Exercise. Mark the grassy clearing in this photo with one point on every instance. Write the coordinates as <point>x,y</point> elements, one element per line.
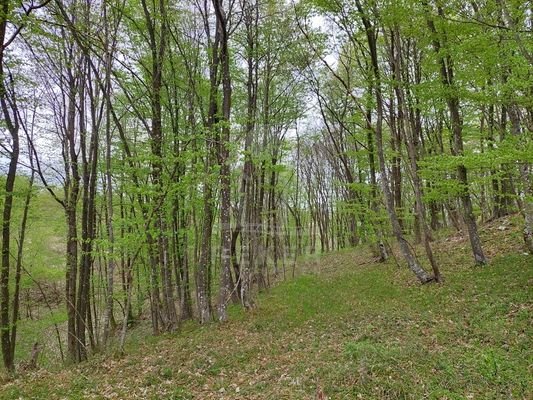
<point>354,328</point>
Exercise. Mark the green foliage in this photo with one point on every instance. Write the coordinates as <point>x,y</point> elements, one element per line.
<point>357,330</point>
<point>320,79</point>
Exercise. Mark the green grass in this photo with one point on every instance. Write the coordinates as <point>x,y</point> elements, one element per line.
<point>43,262</point>
<point>357,331</point>
<point>44,253</point>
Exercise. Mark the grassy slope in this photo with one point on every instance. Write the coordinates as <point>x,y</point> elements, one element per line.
<point>44,259</point>
<point>354,328</point>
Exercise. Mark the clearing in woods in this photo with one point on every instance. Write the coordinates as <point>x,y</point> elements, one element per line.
<point>345,328</point>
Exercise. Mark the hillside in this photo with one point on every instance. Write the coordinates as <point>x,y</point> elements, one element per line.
<point>261,199</point>
<point>345,327</point>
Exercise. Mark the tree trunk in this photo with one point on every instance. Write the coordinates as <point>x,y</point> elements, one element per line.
<point>389,201</point>
<point>452,101</point>
<point>526,199</point>
<point>224,161</point>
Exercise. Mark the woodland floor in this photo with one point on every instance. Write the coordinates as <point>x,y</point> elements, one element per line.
<point>345,325</point>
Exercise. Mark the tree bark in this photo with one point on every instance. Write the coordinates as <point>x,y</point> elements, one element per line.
<point>224,161</point>
<point>452,101</point>
<point>412,262</point>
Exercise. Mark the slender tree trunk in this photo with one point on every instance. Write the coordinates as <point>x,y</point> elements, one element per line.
<point>204,265</point>
<point>412,262</point>
<point>526,200</point>
<point>18,267</point>
<point>224,161</point>
<point>10,118</point>
<point>108,314</point>
<point>72,188</point>
<point>409,137</point>
<point>447,77</point>
<point>246,202</point>
<point>6,232</point>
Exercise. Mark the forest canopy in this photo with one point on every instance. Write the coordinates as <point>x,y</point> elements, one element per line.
<point>163,160</point>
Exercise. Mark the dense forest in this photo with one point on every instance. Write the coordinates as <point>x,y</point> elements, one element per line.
<point>181,157</point>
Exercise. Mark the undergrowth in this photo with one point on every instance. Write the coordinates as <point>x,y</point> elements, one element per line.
<point>355,328</point>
